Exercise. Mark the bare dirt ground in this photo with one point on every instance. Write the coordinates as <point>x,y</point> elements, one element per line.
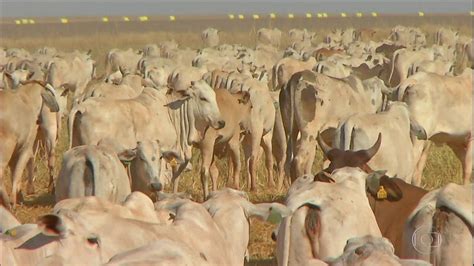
<point>87,33</point>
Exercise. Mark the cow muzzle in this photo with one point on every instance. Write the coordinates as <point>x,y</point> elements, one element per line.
<point>220,124</point>
<point>156,186</point>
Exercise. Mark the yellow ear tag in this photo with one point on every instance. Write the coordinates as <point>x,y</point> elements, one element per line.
<point>11,232</point>
<point>173,162</point>
<point>381,193</point>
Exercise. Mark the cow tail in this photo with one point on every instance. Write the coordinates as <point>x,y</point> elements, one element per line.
<point>289,149</point>
<point>274,76</point>
<point>108,63</point>
<point>394,58</point>
<point>92,163</point>
<point>348,135</point>
<point>76,112</point>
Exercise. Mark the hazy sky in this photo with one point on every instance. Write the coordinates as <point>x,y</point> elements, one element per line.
<point>37,8</point>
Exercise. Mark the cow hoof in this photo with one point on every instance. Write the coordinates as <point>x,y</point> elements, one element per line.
<point>30,190</point>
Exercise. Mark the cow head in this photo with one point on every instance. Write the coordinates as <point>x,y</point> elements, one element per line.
<point>70,238</point>
<point>145,163</point>
<point>340,158</point>
<point>205,109</point>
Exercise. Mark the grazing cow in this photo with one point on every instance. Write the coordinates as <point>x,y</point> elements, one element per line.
<point>210,37</point>
<point>125,59</point>
<point>370,250</point>
<point>176,119</point>
<point>324,217</point>
<point>391,210</point>
<point>19,114</point>
<point>269,37</point>
<point>427,96</point>
<point>309,104</point>
<point>442,225</point>
<point>396,152</point>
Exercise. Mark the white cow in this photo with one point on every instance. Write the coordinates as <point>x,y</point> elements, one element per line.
<point>325,216</point>
<point>442,225</point>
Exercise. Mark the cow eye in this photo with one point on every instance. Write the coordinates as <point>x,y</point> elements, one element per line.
<point>203,99</point>
<point>93,240</point>
<point>153,158</point>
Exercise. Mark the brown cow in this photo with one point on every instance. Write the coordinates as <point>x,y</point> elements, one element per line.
<point>392,210</point>
<point>324,53</point>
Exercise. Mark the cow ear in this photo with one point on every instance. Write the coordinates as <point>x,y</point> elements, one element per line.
<point>323,177</point>
<point>30,75</point>
<point>51,225</point>
<point>393,190</point>
<point>8,81</point>
<point>49,98</point>
<point>245,97</point>
<point>128,155</point>
<point>373,182</point>
<point>270,212</point>
<point>172,158</point>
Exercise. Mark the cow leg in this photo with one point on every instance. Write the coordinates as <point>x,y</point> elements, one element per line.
<point>30,188</point>
<point>177,174</point>
<point>463,152</point>
<point>50,139</point>
<point>255,140</point>
<point>418,173</point>
<point>234,149</point>
<point>267,147</point>
<point>304,157</point>
<point>20,165</point>
<point>207,152</point>
<point>214,174</point>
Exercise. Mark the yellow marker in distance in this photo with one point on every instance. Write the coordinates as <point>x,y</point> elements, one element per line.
<point>231,16</point>
<point>172,18</point>
<point>343,15</point>
<point>18,22</point>
<point>126,19</point>
<point>309,15</point>
<point>31,21</point>
<point>325,15</point>
<point>64,20</point>
<point>421,14</point>
<point>255,16</point>
<point>105,19</point>
<point>320,15</point>
<point>24,21</point>
<point>241,16</point>
<point>472,13</point>
<point>359,14</point>
<point>374,14</point>
<point>273,15</point>
<point>290,16</point>
<point>143,18</point>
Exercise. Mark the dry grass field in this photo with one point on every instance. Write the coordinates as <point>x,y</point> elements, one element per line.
<point>442,167</point>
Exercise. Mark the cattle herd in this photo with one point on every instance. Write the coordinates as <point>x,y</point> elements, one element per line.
<point>374,108</point>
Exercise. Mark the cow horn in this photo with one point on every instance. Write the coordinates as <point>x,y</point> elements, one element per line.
<point>373,150</point>
<point>326,148</point>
